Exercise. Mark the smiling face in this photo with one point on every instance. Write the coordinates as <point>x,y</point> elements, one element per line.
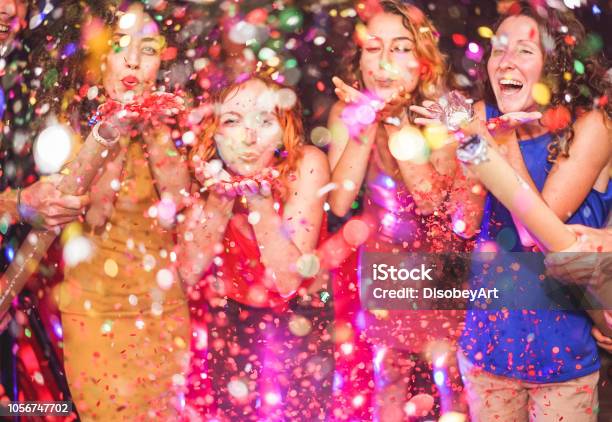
<point>135,56</point>
<point>516,63</point>
<point>249,130</point>
<point>388,58</point>
<point>12,19</point>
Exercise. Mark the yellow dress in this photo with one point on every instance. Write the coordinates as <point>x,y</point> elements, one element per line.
<point>125,317</point>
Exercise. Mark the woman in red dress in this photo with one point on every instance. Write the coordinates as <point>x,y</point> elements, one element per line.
<point>247,247</point>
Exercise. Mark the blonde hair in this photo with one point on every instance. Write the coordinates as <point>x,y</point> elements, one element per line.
<point>432,62</point>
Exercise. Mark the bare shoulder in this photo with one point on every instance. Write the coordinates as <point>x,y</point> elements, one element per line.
<point>313,159</point>
<point>595,119</point>
<point>593,128</point>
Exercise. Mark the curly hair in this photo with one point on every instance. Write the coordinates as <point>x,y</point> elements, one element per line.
<point>288,118</point>
<point>433,67</point>
<point>72,50</point>
<point>564,43</point>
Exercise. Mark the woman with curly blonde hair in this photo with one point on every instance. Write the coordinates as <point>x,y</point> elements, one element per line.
<point>396,63</point>
<point>246,247</point>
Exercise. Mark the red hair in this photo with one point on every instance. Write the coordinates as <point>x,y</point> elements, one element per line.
<point>289,119</point>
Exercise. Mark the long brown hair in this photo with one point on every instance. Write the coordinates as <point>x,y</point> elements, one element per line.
<point>432,62</point>
<point>564,43</point>
<point>288,118</point>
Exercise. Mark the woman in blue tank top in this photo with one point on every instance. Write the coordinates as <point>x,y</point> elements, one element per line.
<point>530,358</point>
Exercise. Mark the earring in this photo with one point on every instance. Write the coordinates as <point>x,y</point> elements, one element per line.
<point>280,152</point>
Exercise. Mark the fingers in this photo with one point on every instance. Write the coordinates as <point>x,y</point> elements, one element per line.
<point>423,111</point>
<point>602,341</point>
<point>345,92</point>
<point>66,203</point>
<point>426,122</point>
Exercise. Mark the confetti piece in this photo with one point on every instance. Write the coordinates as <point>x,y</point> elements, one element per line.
<point>165,279</point>
<point>299,326</point>
<point>408,144</point>
<point>320,136</point>
<point>540,93</point>
<point>111,268</point>
<point>78,249</point>
<point>485,32</point>
<point>52,149</point>
<point>579,67</point>
<point>420,405</point>
<point>308,265</point>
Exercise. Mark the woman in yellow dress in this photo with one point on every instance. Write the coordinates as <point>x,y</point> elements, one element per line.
<point>125,317</point>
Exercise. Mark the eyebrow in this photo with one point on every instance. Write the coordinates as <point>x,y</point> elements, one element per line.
<point>235,113</point>
<point>144,39</point>
<point>374,37</point>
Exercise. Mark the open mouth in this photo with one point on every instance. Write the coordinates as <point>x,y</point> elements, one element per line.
<point>4,30</point>
<point>510,86</point>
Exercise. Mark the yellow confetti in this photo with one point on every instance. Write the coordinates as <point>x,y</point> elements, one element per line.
<point>408,144</point>
<point>179,342</point>
<point>567,76</point>
<point>111,268</point>
<point>485,32</point>
<point>540,93</point>
<point>436,136</point>
<point>125,41</point>
<point>71,230</point>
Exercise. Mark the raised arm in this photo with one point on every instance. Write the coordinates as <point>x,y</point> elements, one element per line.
<point>199,234</point>
<point>169,166</point>
<point>427,187</point>
<point>348,158</point>
<point>282,240</point>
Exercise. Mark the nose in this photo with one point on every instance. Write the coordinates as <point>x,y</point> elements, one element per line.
<point>386,59</point>
<point>250,137</point>
<point>132,57</point>
<point>8,7</point>
<point>507,61</point>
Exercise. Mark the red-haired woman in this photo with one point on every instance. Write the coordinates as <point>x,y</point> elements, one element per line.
<point>252,233</point>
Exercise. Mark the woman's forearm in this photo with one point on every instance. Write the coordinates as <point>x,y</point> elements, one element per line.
<point>168,166</point>
<point>427,187</point>
<point>8,204</point>
<point>349,173</point>
<point>278,252</point>
<point>202,229</point>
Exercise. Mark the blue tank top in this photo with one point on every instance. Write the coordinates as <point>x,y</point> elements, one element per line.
<point>535,344</point>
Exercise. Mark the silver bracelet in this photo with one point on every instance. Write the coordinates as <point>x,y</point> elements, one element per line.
<point>473,150</point>
<point>108,143</point>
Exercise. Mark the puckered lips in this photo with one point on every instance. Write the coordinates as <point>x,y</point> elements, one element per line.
<point>130,82</point>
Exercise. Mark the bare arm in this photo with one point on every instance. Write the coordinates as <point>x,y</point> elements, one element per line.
<point>348,159</point>
<point>199,234</point>
<point>571,179</point>
<point>282,240</point>
<point>467,195</point>
<point>8,204</point>
<point>168,166</point>
<point>427,187</point>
